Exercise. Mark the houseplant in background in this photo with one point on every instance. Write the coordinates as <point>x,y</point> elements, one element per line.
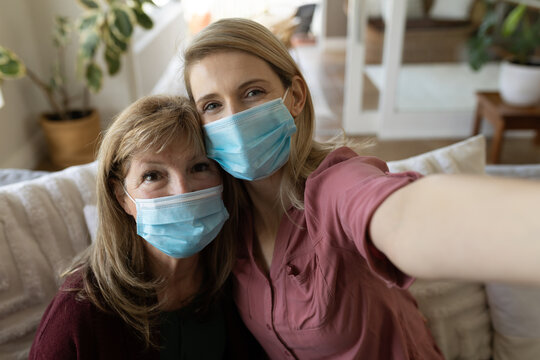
<point>512,33</point>
<point>72,126</point>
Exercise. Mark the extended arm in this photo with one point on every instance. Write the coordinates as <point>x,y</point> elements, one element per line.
<point>462,227</point>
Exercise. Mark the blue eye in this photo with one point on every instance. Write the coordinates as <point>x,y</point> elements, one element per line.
<point>254,92</point>
<point>210,106</point>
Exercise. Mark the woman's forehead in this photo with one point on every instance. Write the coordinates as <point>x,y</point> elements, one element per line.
<point>228,69</point>
<point>178,142</point>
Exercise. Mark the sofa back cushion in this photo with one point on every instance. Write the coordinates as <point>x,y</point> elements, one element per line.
<point>457,312</point>
<point>515,309</point>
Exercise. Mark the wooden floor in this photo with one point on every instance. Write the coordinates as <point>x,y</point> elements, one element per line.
<point>328,67</point>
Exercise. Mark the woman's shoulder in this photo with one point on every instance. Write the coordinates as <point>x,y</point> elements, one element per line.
<point>74,327</point>
<point>64,319</point>
<point>68,307</point>
<point>343,160</point>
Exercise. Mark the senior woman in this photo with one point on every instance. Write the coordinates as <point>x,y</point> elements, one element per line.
<point>151,285</point>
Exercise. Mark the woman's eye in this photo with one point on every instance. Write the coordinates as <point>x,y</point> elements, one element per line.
<point>200,167</point>
<point>150,176</point>
<point>210,107</point>
<point>254,92</point>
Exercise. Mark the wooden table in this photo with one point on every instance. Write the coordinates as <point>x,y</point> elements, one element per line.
<point>504,117</point>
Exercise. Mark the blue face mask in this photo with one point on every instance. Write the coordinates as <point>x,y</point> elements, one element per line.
<point>254,143</point>
<point>181,225</point>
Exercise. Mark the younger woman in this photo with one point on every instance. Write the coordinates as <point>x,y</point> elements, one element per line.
<point>330,239</point>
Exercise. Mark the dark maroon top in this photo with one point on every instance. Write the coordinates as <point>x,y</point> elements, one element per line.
<point>75,329</point>
<point>330,293</point>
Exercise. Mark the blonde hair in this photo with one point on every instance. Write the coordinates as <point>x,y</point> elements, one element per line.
<point>237,34</point>
<point>116,276</point>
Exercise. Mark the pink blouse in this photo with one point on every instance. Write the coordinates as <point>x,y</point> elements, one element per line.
<point>330,293</point>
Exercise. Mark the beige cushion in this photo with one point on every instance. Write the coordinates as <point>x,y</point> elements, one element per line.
<point>457,312</point>
<point>515,309</point>
<point>515,314</point>
<point>507,347</point>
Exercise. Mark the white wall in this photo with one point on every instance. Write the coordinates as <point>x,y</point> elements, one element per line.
<point>20,137</point>
<point>25,28</point>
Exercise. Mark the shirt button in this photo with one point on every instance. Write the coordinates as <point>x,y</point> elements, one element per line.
<point>268,327</point>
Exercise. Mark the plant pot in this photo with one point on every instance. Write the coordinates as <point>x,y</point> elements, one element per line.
<point>519,85</point>
<point>71,142</point>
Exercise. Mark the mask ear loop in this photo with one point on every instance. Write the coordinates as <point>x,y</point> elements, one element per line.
<point>129,196</point>
<point>285,95</point>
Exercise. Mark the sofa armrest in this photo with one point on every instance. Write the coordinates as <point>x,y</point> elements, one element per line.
<point>43,225</point>
<point>12,176</point>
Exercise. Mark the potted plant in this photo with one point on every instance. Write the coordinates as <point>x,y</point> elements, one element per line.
<point>512,33</point>
<point>72,130</point>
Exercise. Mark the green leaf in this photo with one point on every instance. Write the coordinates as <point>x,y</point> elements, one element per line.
<point>4,55</point>
<point>11,69</point>
<point>89,44</point>
<point>90,21</point>
<point>90,4</point>
<point>94,77</point>
<point>535,30</point>
<point>10,65</point>
<point>478,51</point>
<point>513,19</point>
<point>142,18</point>
<point>114,43</point>
<point>490,20</point>
<point>62,30</point>
<point>113,61</point>
<point>121,20</point>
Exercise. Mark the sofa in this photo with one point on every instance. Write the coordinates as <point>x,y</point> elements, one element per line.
<point>47,218</point>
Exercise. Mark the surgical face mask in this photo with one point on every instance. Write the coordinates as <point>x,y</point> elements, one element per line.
<point>181,225</point>
<point>254,143</point>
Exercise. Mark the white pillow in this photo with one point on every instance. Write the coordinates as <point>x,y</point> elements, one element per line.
<point>91,219</point>
<point>457,312</point>
<point>44,223</point>
<point>451,9</point>
<point>464,157</point>
<point>515,309</point>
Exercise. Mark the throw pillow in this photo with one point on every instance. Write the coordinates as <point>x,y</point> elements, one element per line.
<point>43,225</point>
<point>451,10</point>
<point>464,157</point>
<point>457,312</point>
<point>514,308</point>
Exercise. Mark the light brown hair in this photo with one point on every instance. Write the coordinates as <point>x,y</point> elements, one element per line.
<point>115,269</point>
<point>237,34</point>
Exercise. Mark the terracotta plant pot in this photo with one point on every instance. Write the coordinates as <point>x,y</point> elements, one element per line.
<point>72,142</point>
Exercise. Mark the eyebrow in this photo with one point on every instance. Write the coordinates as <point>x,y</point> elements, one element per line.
<point>151,161</point>
<point>241,86</point>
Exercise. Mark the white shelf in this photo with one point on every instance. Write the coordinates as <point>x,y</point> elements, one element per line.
<point>438,87</point>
